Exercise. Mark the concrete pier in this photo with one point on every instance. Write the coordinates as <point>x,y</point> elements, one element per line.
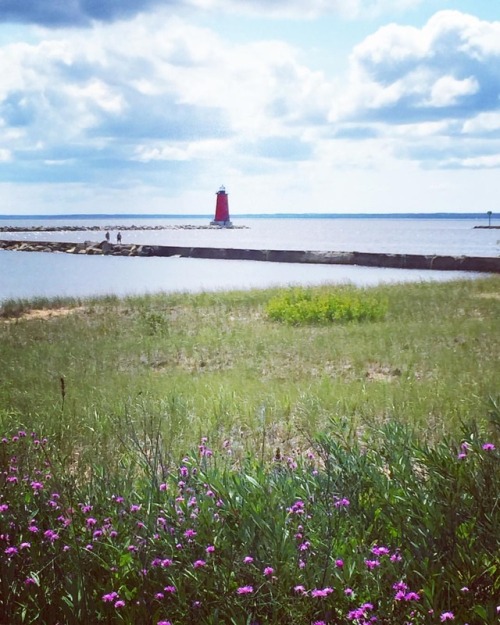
<point>366,259</point>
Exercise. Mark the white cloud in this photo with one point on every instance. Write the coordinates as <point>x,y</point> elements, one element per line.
<point>403,73</point>
<point>447,91</point>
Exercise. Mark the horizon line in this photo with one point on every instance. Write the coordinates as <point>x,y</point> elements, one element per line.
<point>440,214</point>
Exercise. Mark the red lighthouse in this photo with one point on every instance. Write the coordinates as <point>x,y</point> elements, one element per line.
<point>222,209</point>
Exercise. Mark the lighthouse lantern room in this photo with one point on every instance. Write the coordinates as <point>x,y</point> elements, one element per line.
<point>222,209</point>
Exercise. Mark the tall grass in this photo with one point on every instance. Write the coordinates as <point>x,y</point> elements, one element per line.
<point>384,529</point>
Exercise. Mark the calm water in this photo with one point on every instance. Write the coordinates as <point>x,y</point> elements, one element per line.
<point>25,275</point>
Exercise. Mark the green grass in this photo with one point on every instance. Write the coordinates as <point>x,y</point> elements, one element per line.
<point>217,365</point>
<point>354,458</point>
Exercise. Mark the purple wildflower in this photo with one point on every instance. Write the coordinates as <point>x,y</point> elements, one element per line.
<point>447,616</point>
<point>244,590</point>
<point>10,551</point>
<point>199,564</point>
<point>321,592</point>
<point>247,560</point>
<point>488,447</point>
<point>108,598</point>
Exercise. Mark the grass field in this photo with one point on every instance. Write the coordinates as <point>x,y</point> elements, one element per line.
<point>215,365</point>
<point>188,459</point>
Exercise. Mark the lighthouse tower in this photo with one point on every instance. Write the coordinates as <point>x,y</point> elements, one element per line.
<point>222,210</point>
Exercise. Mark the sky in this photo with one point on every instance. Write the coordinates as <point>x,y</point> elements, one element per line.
<point>317,106</point>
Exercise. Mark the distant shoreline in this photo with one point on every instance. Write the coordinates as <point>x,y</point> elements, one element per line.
<point>468,216</point>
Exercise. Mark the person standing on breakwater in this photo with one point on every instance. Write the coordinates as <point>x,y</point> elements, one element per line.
<point>107,236</point>
<point>119,237</point>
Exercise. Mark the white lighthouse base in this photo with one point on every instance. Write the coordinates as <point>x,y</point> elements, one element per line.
<point>222,224</point>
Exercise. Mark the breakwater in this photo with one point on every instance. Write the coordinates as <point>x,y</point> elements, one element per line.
<point>366,259</point>
<point>116,228</point>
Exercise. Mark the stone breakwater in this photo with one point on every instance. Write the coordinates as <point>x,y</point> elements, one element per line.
<point>114,228</point>
<point>367,259</point>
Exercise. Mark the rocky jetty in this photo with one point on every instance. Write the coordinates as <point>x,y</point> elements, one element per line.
<point>367,259</point>
<point>116,228</point>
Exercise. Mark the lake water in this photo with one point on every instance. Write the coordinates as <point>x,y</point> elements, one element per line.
<point>24,275</point>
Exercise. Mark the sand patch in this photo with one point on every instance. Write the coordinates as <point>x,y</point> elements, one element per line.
<point>490,295</point>
<point>44,314</point>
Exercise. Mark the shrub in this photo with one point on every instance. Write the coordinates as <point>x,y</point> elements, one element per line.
<point>301,306</point>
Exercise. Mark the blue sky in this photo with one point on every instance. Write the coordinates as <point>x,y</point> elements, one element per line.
<point>345,106</point>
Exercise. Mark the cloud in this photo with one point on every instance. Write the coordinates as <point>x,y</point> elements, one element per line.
<point>83,13</point>
<point>79,103</point>
<point>448,69</point>
<point>58,13</point>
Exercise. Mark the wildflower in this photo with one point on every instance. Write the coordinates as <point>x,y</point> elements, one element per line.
<point>342,503</point>
<point>170,589</point>
<point>163,487</point>
<point>24,545</point>
<point>244,590</point>
<point>36,486</point>
<point>210,549</point>
<point>4,507</point>
<point>447,616</point>
<point>380,551</point>
<point>348,592</point>
<point>90,522</point>
<point>135,508</point>
<point>29,581</point>
<point>297,508</point>
<point>166,562</point>
<point>412,596</point>
<point>159,596</point>
<point>300,589</point>
<point>190,533</point>
<point>371,564</point>
<point>247,560</point>
<point>199,564</point>
<point>488,447</point>
<point>120,603</point>
<point>464,589</point>
<point>110,597</point>
<point>339,563</point>
<point>51,535</point>
<point>268,571</point>
<point>10,551</point>
<point>164,623</point>
<point>321,592</point>
<point>319,623</point>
